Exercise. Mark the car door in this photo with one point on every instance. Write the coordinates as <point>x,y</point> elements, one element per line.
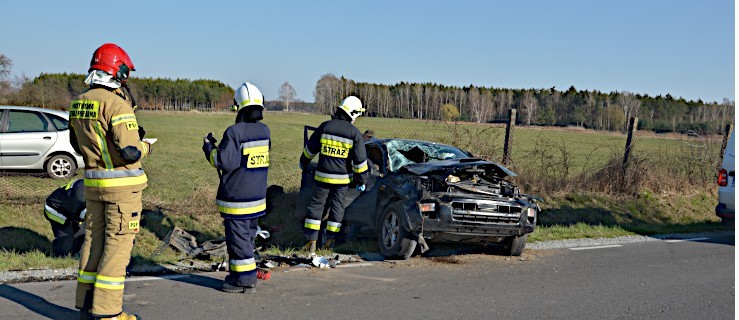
<point>27,138</point>
<point>361,207</point>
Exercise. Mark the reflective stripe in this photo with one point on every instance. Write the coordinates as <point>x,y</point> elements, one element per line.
<point>116,182</point>
<point>249,101</point>
<point>336,141</point>
<point>86,276</point>
<point>332,178</point>
<point>123,173</point>
<point>242,207</point>
<point>103,145</point>
<point>114,283</point>
<point>54,215</point>
<point>242,265</point>
<point>69,185</point>
<point>256,143</point>
<point>308,154</point>
<point>145,147</point>
<point>83,213</point>
<point>333,226</point>
<point>126,117</point>
<point>312,224</point>
<point>362,167</point>
<point>214,158</point>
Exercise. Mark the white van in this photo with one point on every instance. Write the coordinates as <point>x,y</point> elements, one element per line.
<point>725,207</point>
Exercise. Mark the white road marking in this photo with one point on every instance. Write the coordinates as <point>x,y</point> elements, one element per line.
<point>596,247</point>
<point>683,240</point>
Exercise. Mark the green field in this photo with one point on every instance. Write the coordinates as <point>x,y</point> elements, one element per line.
<point>182,183</point>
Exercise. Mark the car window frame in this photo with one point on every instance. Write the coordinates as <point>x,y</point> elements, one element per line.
<point>51,118</point>
<point>39,114</point>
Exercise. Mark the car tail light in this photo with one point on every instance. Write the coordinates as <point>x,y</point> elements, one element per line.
<point>723,178</point>
<point>427,207</point>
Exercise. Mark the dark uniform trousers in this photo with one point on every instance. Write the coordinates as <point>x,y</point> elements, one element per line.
<point>334,193</point>
<point>240,245</point>
<point>68,237</point>
<point>111,228</point>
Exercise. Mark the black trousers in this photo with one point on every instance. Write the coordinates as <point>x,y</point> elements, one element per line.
<point>329,196</point>
<point>68,237</point>
<point>240,246</point>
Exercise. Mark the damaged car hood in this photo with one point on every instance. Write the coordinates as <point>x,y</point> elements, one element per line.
<point>445,165</point>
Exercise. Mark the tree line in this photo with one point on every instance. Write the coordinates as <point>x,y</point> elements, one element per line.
<point>57,90</point>
<point>590,109</point>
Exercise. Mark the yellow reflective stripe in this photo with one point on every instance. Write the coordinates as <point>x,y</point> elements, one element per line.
<point>54,216</point>
<point>312,224</point>
<point>333,226</point>
<point>248,101</point>
<point>102,144</point>
<point>252,150</point>
<point>114,283</point>
<point>361,168</point>
<point>116,182</point>
<point>308,154</point>
<point>126,117</point>
<point>69,185</point>
<point>84,109</point>
<point>213,159</point>
<point>332,180</point>
<point>335,143</point>
<point>243,267</point>
<point>145,147</point>
<point>86,276</point>
<point>249,210</point>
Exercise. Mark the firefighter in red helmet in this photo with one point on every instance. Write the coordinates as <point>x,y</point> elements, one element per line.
<point>104,130</point>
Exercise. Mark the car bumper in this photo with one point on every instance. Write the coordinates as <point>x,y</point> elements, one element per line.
<point>455,229</point>
<point>724,212</point>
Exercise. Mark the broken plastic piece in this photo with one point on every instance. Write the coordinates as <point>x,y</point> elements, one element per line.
<point>320,262</point>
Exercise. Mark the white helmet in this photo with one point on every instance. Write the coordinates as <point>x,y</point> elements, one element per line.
<point>248,95</point>
<point>352,107</point>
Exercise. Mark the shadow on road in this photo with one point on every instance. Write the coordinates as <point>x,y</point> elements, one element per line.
<point>37,304</point>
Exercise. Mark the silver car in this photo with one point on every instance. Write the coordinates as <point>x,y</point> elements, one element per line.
<point>37,139</point>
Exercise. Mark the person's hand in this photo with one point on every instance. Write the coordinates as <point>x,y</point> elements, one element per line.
<point>360,188</point>
<point>209,138</point>
<point>142,132</point>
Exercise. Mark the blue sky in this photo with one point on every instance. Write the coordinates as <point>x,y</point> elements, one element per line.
<point>684,48</point>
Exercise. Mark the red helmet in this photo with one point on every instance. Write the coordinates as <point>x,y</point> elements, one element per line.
<point>113,60</point>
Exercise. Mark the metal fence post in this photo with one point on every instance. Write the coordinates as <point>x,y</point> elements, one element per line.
<point>509,137</point>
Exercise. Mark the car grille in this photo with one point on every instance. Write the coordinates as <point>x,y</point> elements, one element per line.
<point>482,212</point>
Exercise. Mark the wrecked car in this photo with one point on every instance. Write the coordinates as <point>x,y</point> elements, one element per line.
<point>422,192</point>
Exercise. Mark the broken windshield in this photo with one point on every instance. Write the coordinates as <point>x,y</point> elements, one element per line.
<point>403,152</point>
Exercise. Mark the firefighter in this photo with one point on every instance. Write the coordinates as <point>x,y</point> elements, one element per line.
<point>104,130</point>
<point>340,147</point>
<point>242,161</point>
<point>65,211</point>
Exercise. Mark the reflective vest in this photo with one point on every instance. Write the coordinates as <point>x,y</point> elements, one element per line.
<point>105,133</point>
<point>341,153</point>
<point>67,203</point>
<point>242,157</point>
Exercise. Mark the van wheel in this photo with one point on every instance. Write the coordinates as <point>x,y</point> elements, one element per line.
<point>61,166</point>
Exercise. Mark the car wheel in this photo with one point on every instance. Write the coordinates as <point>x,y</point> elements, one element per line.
<point>60,166</point>
<point>394,241</point>
<point>514,245</point>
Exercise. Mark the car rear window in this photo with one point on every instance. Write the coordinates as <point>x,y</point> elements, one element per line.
<point>58,122</point>
<point>26,121</point>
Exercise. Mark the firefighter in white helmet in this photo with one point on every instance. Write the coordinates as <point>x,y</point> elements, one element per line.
<point>242,160</point>
<point>342,157</point>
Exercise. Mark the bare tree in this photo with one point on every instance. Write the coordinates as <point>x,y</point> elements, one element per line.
<point>5,65</point>
<point>327,93</point>
<point>629,103</point>
<point>287,95</point>
<point>529,104</point>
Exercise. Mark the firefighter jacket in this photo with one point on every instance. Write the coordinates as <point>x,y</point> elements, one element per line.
<point>67,203</point>
<point>105,132</point>
<point>340,147</point>
<point>242,159</point>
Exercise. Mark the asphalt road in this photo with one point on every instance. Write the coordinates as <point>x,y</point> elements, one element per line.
<point>645,280</point>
